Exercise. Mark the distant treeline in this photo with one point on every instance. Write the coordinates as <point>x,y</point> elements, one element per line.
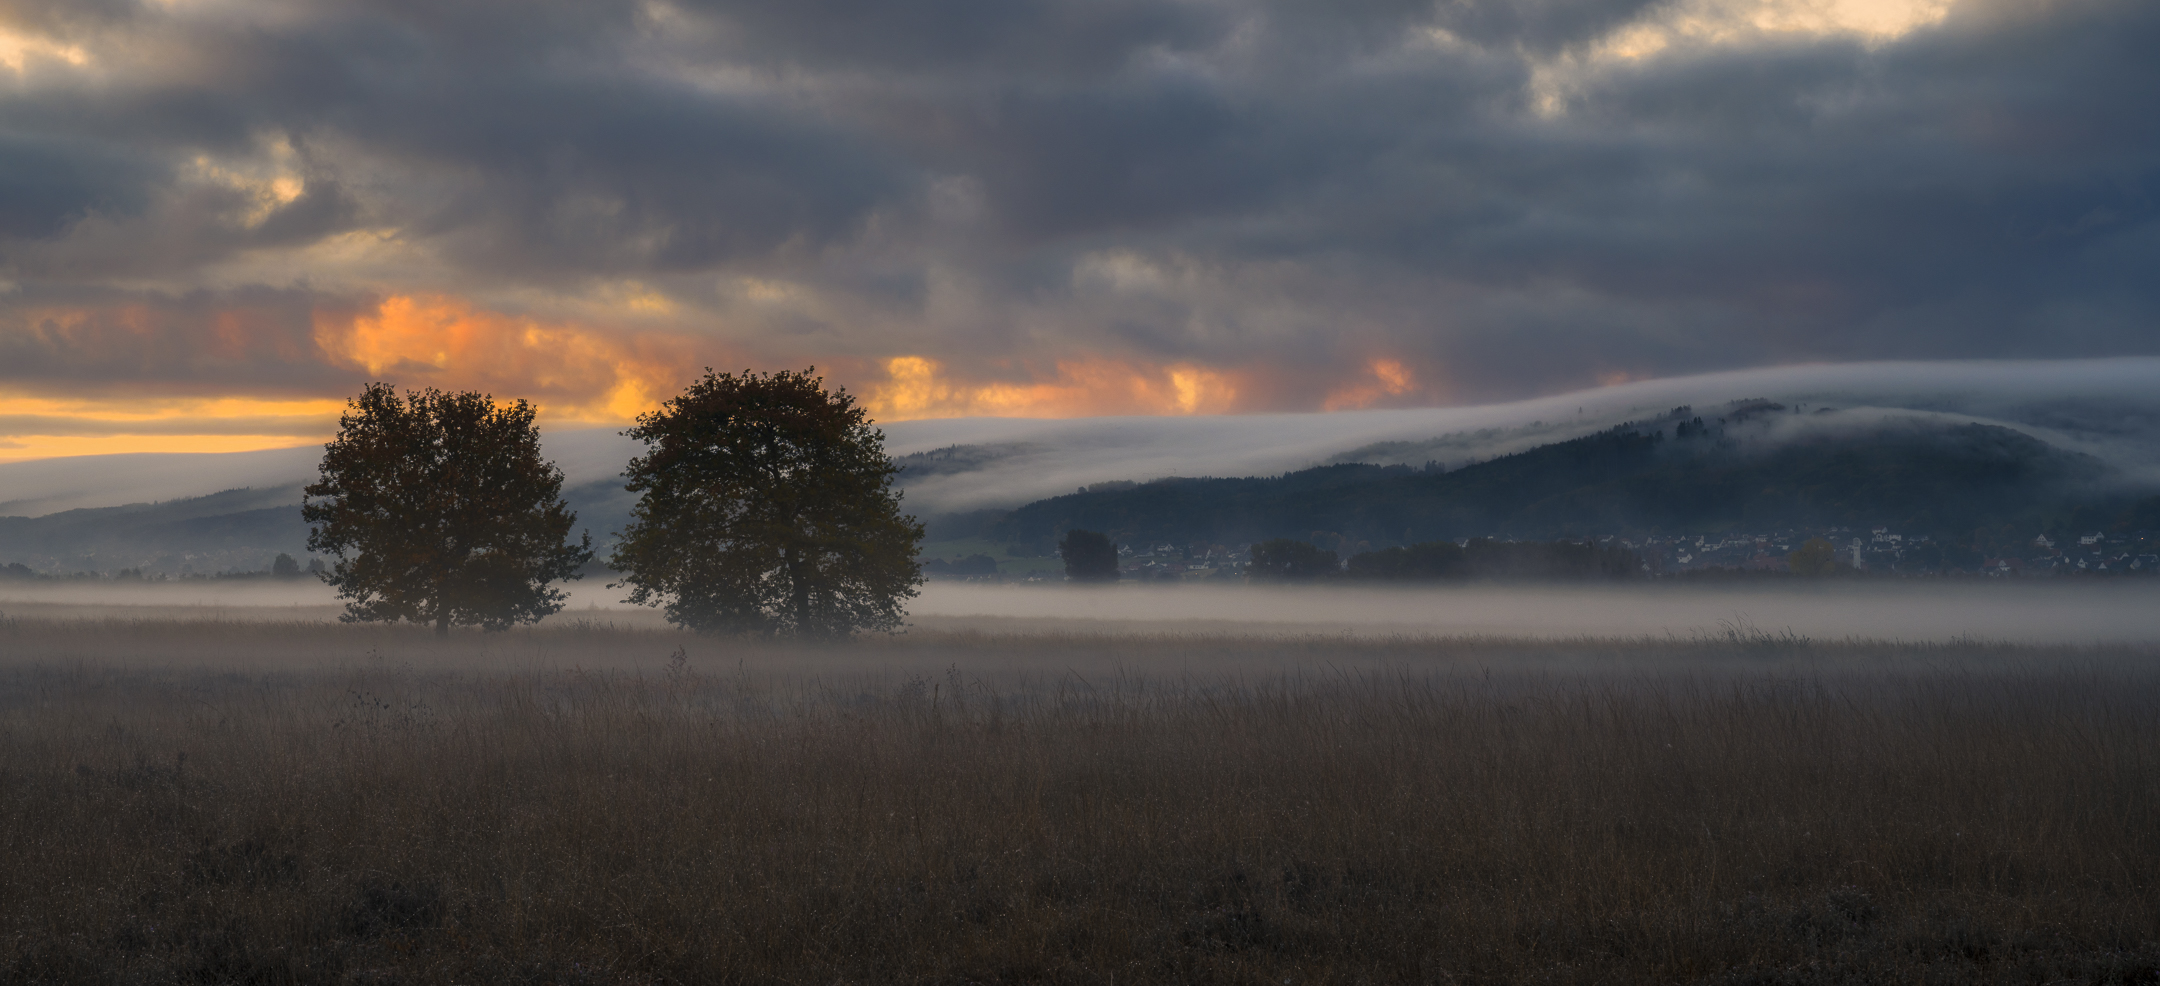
<point>284,568</point>
<point>1286,560</point>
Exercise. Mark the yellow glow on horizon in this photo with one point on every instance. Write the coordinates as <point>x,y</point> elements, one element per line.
<point>23,448</point>
<point>576,374</point>
<point>588,374</point>
<point>44,427</point>
<point>168,408</point>
<point>918,387</point>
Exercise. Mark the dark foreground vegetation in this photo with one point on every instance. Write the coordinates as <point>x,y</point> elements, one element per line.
<point>244,803</point>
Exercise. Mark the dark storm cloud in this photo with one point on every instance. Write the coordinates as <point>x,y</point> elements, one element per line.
<point>941,37</point>
<point>1468,185</point>
<point>1540,25</point>
<point>524,135</point>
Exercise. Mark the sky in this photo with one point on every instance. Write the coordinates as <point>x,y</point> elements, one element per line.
<point>218,218</point>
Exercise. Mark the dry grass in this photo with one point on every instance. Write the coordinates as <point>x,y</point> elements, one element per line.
<point>253,803</point>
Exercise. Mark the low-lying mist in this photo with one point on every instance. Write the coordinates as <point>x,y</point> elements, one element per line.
<point>1907,611</point>
<point>1916,610</point>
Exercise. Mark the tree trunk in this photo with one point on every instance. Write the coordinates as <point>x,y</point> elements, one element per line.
<point>799,592</point>
<point>442,605</point>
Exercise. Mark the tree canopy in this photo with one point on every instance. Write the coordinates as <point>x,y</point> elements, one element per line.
<point>1817,557</point>
<point>767,507</point>
<point>439,509</point>
<point>1089,556</point>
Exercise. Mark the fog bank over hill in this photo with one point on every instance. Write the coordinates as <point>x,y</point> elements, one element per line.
<point>2108,409</point>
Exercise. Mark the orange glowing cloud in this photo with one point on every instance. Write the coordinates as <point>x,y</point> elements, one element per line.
<point>252,359</point>
<point>920,387</point>
<point>1390,378</point>
<point>242,355</point>
<point>573,372</point>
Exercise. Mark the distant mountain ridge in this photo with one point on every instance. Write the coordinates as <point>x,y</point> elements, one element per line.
<point>241,528</point>
<point>234,530</point>
<point>1677,474</point>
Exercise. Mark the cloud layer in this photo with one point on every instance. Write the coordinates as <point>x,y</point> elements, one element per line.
<point>2108,408</point>
<point>965,207</point>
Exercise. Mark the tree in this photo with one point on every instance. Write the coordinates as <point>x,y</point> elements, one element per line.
<point>1287,560</point>
<point>1089,556</point>
<point>1814,558</point>
<point>439,509</point>
<point>767,508</point>
<point>285,567</point>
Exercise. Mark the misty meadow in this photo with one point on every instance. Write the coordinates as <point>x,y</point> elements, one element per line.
<point>1103,492</point>
<point>295,802</point>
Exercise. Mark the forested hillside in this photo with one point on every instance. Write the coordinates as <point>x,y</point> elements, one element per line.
<point>1679,476</point>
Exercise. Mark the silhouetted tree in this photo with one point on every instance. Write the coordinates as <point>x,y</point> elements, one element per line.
<point>285,567</point>
<point>439,509</point>
<point>1089,556</point>
<point>767,508</point>
<point>1283,559</point>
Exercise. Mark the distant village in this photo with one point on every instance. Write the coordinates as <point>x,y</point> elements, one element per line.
<point>1884,551</point>
<point>1877,552</point>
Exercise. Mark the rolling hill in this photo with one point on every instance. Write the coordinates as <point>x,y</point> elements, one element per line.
<point>1747,469</point>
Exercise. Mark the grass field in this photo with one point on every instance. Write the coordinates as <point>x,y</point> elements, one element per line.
<point>305,803</point>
